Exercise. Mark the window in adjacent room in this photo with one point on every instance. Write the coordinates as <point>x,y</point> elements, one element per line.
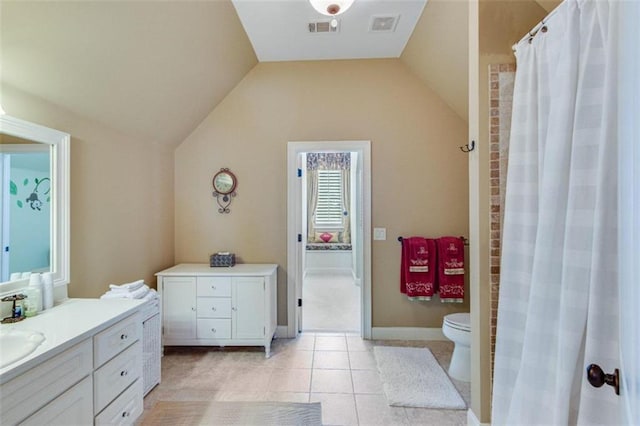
<point>329,209</point>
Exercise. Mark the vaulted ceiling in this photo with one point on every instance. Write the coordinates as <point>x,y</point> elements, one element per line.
<point>155,69</point>
<point>151,69</point>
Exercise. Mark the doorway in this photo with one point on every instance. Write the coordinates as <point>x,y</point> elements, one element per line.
<point>328,266</point>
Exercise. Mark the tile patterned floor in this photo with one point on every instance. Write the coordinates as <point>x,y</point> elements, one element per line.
<point>336,369</point>
<point>331,302</point>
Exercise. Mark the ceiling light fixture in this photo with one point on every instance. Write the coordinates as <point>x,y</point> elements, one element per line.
<point>331,7</point>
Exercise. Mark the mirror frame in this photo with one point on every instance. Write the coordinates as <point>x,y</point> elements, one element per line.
<point>59,142</point>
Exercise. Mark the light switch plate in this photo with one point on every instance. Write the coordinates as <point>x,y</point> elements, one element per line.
<point>379,234</point>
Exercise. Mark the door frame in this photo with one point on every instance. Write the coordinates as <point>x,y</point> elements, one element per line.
<point>294,227</point>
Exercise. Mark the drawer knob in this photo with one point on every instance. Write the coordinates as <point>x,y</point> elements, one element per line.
<point>123,373</point>
<point>213,308</point>
<point>213,329</point>
<point>234,309</point>
<point>125,414</point>
<point>193,309</point>
<point>123,337</point>
<point>213,287</point>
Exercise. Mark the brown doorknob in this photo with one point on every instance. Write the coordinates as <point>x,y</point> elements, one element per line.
<point>597,377</point>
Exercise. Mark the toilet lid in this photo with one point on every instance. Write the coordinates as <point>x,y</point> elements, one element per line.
<point>460,321</point>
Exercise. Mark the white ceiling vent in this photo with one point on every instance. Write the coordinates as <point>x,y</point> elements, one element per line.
<point>324,26</point>
<point>383,24</point>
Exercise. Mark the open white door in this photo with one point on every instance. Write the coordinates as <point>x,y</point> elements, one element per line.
<point>295,226</point>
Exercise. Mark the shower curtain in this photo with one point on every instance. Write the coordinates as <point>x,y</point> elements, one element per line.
<point>558,307</point>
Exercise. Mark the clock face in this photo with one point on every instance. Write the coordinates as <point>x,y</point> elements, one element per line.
<point>224,182</point>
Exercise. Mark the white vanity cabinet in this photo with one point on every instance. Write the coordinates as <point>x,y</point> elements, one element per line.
<point>73,407</point>
<point>117,376</point>
<point>41,392</point>
<point>204,306</point>
<point>98,380</point>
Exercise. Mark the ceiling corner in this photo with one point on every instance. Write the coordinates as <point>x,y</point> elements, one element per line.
<point>548,5</point>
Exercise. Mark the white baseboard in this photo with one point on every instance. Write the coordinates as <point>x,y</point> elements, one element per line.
<point>472,420</point>
<point>407,333</point>
<point>387,333</point>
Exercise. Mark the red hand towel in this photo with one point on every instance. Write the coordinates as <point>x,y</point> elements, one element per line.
<point>417,269</point>
<point>451,269</point>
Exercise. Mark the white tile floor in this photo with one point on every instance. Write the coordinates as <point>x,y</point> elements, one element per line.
<point>336,369</point>
<point>330,302</point>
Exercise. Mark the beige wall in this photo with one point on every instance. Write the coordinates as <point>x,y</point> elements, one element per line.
<point>121,198</point>
<point>501,24</point>
<point>419,176</point>
<point>437,52</point>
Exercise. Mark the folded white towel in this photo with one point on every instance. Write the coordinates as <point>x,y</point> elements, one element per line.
<point>136,294</point>
<point>128,286</point>
<point>152,294</point>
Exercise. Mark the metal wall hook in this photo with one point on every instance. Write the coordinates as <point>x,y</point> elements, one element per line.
<point>468,148</point>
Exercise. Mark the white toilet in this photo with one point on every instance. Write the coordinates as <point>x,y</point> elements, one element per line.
<point>457,328</point>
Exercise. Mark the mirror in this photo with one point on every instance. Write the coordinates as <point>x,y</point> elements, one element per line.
<point>34,189</point>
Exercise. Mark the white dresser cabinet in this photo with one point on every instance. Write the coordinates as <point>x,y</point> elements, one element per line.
<point>204,306</point>
<point>179,316</point>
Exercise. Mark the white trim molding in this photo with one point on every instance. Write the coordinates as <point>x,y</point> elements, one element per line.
<point>407,333</point>
<point>60,223</point>
<point>472,420</point>
<point>294,227</point>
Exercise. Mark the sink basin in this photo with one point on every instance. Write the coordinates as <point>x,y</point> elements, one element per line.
<point>16,344</point>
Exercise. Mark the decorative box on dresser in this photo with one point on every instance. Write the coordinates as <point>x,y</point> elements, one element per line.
<point>205,306</point>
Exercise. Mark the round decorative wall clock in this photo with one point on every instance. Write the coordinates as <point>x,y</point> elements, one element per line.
<point>224,188</point>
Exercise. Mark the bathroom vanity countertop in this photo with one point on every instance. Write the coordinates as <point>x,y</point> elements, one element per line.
<point>66,324</point>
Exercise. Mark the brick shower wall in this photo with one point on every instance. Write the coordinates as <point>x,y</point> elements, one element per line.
<point>501,79</point>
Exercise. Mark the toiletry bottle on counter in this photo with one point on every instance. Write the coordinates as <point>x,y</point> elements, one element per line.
<point>47,292</point>
<point>17,311</point>
<point>33,302</point>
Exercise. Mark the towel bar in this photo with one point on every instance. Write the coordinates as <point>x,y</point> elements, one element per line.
<point>464,240</point>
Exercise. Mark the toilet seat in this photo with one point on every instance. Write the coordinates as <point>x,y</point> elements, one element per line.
<point>459,321</point>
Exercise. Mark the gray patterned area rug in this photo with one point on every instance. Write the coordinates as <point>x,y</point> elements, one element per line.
<point>412,377</point>
<point>190,413</point>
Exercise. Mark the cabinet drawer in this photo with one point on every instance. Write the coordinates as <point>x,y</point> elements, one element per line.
<point>116,375</point>
<point>214,307</point>
<point>35,388</point>
<point>125,409</point>
<point>214,329</point>
<point>74,407</point>
<point>214,286</point>
<point>113,340</point>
